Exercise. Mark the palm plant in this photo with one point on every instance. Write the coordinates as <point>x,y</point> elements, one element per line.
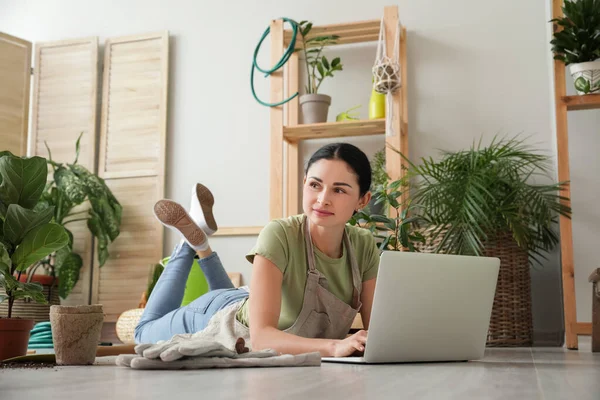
<point>469,196</point>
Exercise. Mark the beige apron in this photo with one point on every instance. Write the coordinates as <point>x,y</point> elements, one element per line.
<point>323,315</point>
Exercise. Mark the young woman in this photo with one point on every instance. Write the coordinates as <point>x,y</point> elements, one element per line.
<point>311,273</point>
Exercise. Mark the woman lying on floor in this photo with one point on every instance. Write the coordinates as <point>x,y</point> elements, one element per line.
<point>311,273</point>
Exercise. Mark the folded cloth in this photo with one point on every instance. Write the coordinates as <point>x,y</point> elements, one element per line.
<point>287,360</point>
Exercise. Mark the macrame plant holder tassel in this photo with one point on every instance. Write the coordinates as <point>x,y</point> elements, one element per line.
<point>386,73</point>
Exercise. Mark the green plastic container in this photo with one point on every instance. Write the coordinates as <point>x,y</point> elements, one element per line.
<point>196,284</point>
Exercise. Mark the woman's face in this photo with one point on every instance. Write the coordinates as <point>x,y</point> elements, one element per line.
<point>331,193</point>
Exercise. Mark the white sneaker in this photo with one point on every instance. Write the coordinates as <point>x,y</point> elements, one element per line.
<point>174,216</point>
<point>201,209</point>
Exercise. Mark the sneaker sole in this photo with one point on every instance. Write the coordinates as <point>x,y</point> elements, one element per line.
<point>206,199</point>
<point>173,215</point>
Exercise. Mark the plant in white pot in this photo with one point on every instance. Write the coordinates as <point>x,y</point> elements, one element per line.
<point>577,44</point>
<point>314,106</point>
<point>26,236</point>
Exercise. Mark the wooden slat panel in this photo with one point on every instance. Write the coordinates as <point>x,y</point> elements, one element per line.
<point>64,106</point>
<point>15,76</point>
<point>132,161</point>
<point>134,106</point>
<point>121,281</point>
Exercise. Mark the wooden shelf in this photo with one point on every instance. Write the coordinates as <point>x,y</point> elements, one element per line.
<point>239,231</point>
<point>582,328</point>
<point>585,102</point>
<point>355,32</point>
<point>334,129</point>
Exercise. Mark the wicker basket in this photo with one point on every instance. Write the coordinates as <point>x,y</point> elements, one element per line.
<point>511,321</point>
<point>29,309</point>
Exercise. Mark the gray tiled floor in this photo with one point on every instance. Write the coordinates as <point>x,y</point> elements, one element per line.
<point>513,374</point>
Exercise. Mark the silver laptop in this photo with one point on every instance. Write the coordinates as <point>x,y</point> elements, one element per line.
<point>429,307</point>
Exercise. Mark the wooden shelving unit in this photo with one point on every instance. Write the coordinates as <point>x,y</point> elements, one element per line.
<point>563,104</point>
<point>286,134</point>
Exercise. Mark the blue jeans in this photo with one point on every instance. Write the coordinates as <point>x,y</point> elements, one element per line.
<point>164,317</point>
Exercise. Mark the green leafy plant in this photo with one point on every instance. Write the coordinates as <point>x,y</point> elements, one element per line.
<point>378,171</point>
<point>399,231</point>
<point>74,186</point>
<point>467,197</point>
<point>316,62</point>
<point>26,234</point>
<point>579,39</point>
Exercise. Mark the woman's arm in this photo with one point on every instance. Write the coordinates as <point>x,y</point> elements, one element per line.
<point>265,306</point>
<point>366,298</point>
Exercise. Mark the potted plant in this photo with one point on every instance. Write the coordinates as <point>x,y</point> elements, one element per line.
<point>26,236</point>
<point>398,232</point>
<point>484,202</point>
<point>379,179</point>
<point>75,194</point>
<point>578,43</point>
<point>313,105</point>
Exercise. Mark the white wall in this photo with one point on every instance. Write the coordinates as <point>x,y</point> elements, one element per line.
<point>469,75</point>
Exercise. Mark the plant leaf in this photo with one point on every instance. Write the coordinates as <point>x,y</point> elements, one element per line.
<point>307,29</point>
<point>321,70</point>
<point>71,185</point>
<point>31,290</point>
<point>22,180</point>
<point>77,148</point>
<point>68,275</point>
<point>97,229</point>
<point>5,262</point>
<point>38,243</point>
<point>20,221</point>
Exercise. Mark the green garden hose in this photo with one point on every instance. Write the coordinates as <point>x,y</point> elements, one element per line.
<point>286,56</point>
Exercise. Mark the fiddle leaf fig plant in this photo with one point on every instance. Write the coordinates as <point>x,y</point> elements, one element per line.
<point>26,235</point>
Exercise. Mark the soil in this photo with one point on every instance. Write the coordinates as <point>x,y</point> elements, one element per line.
<point>26,365</point>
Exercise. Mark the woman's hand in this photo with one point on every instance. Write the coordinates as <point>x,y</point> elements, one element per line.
<point>350,345</point>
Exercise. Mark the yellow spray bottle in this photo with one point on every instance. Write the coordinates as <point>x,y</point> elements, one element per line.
<point>376,105</point>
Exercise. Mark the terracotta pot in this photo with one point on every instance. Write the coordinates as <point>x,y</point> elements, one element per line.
<point>76,332</point>
<point>14,336</point>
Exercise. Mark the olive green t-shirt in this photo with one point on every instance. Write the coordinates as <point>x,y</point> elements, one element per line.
<point>282,243</point>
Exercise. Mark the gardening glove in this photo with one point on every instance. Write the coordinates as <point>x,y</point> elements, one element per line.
<point>195,345</point>
<point>151,350</point>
